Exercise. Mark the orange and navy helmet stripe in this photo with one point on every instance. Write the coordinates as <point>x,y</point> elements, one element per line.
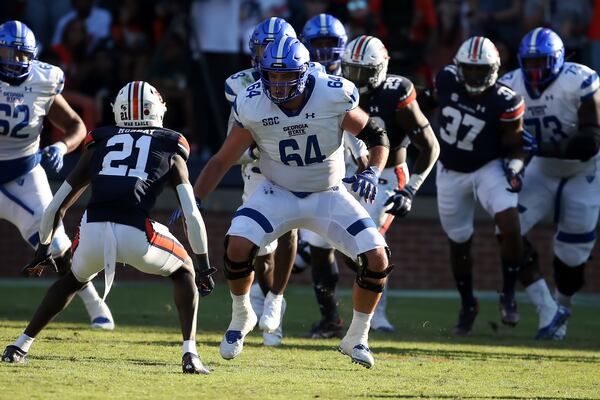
<point>359,47</point>
<point>135,95</point>
<point>475,47</point>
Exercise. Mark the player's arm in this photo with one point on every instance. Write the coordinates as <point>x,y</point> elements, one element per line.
<point>513,133</point>
<point>194,224</point>
<point>358,150</point>
<point>238,141</point>
<point>586,143</point>
<point>66,119</point>
<point>358,123</point>
<point>411,119</point>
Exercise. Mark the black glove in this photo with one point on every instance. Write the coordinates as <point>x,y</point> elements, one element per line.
<point>41,261</point>
<point>204,280</point>
<point>401,202</point>
<point>515,180</point>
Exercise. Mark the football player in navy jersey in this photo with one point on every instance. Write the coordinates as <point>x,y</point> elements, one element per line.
<point>391,101</point>
<point>30,93</point>
<point>127,166</point>
<point>481,124</point>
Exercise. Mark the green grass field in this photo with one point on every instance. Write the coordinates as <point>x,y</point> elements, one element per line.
<point>141,358</point>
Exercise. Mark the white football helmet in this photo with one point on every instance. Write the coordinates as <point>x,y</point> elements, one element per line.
<point>477,61</point>
<point>365,63</point>
<point>139,104</point>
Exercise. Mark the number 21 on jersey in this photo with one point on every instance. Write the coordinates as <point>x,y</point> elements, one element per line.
<point>122,169</point>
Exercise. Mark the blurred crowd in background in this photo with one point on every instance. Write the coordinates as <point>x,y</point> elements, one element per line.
<point>187,48</point>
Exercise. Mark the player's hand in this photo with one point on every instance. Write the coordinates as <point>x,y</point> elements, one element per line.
<point>175,215</point>
<point>41,261</point>
<point>204,272</point>
<point>530,143</point>
<point>364,183</point>
<point>515,180</point>
<point>400,203</point>
<point>52,156</point>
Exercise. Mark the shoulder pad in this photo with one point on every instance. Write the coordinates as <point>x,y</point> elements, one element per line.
<point>47,78</point>
<point>403,88</point>
<point>446,77</point>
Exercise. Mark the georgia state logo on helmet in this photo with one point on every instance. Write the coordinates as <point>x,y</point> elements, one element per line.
<point>325,26</point>
<point>139,104</point>
<point>477,62</point>
<point>18,49</point>
<point>285,54</point>
<point>545,45</point>
<point>365,63</point>
<point>266,32</point>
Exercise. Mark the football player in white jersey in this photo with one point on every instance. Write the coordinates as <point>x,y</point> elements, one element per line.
<point>563,116</point>
<point>296,120</point>
<point>29,92</point>
<point>267,280</point>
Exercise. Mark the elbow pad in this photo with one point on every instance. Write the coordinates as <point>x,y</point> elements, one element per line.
<point>584,145</point>
<point>47,223</point>
<point>196,231</point>
<point>374,135</point>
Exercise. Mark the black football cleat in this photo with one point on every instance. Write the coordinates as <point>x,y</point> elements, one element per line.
<point>466,319</point>
<point>508,310</point>
<point>191,364</point>
<point>13,354</point>
<point>326,329</point>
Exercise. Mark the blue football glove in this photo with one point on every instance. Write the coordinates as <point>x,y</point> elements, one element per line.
<point>52,156</point>
<point>400,203</point>
<point>515,180</point>
<point>178,213</point>
<point>530,143</point>
<point>365,183</point>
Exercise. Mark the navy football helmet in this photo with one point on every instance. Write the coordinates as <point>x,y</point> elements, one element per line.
<point>18,49</point>
<point>266,32</point>
<point>325,38</point>
<point>285,54</point>
<point>541,56</point>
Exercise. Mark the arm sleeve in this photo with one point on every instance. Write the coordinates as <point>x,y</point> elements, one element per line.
<point>406,93</point>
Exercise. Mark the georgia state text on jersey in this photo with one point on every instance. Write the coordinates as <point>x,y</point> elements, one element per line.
<point>396,91</point>
<point>470,130</point>
<point>129,169</point>
<point>23,108</point>
<point>310,138</point>
<point>553,115</point>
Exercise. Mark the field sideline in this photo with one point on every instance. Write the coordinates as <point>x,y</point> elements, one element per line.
<point>421,360</point>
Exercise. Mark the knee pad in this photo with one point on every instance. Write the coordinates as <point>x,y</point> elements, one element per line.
<point>568,280</point>
<point>364,272</point>
<point>237,270</point>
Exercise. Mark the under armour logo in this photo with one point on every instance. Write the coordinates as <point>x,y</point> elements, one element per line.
<point>480,108</point>
<point>311,115</point>
<point>454,97</point>
<point>28,88</point>
<point>374,109</point>
<point>549,97</point>
<point>590,178</point>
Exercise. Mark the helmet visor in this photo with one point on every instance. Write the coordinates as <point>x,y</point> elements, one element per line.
<point>15,62</point>
<point>360,75</point>
<point>475,75</point>
<point>326,50</point>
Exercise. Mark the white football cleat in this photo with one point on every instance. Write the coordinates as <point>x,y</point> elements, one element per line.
<point>359,353</point>
<point>233,340</point>
<point>103,318</point>
<point>276,337</point>
<point>272,313</point>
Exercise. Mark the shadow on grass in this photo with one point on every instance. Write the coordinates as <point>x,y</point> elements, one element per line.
<point>444,396</point>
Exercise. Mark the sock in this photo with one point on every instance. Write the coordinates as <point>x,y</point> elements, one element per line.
<point>24,342</point>
<point>274,298</point>
<point>189,346</point>
<point>509,274</point>
<point>546,307</point>
<point>90,298</point>
<point>563,299</point>
<point>464,284</point>
<point>359,327</point>
<point>241,309</point>
<point>257,299</point>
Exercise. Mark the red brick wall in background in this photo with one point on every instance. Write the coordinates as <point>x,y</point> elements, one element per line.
<point>419,251</point>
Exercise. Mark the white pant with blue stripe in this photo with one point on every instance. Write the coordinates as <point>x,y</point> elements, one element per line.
<point>574,203</point>
<point>22,203</point>
<point>335,214</point>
